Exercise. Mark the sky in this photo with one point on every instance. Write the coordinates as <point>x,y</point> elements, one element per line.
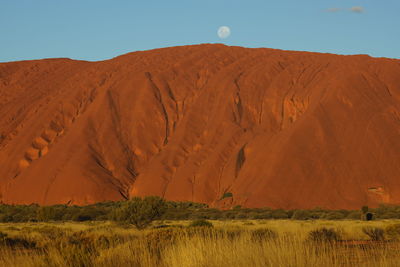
<point>102,29</point>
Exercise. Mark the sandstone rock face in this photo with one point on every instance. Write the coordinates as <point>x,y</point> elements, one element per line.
<point>271,128</point>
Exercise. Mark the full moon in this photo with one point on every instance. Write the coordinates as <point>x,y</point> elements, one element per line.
<point>224,32</point>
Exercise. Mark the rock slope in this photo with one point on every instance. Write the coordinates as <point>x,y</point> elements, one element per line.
<point>264,127</point>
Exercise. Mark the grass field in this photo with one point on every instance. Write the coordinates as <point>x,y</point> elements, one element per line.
<point>228,243</point>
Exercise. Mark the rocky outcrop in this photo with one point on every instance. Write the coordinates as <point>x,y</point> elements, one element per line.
<point>273,128</point>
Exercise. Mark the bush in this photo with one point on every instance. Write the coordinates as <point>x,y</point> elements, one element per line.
<point>260,216</point>
<point>262,234</point>
<point>228,215</point>
<point>324,235</point>
<point>279,214</point>
<point>389,215</point>
<point>82,218</point>
<point>50,213</point>
<point>178,211</point>
<point>141,212</point>
<point>201,223</point>
<point>354,215</point>
<point>301,215</point>
<point>374,233</point>
<point>334,215</point>
<point>364,209</point>
<point>393,231</point>
<point>368,216</point>
<point>241,215</point>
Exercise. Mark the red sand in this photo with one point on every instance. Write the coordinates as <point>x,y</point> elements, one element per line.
<point>274,128</point>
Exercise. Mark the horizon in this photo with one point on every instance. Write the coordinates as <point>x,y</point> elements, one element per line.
<point>200,44</point>
<point>100,30</point>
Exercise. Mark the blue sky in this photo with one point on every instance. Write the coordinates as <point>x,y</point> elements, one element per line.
<point>102,29</point>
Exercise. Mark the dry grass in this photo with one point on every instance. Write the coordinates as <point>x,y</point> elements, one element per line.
<point>229,243</point>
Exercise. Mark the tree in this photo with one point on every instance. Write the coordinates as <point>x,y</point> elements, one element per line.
<point>141,212</point>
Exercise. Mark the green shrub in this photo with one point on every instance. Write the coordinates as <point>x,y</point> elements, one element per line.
<point>200,223</point>
<point>241,215</point>
<point>82,217</point>
<point>301,215</point>
<point>141,212</point>
<point>324,235</point>
<point>334,215</point>
<point>279,214</point>
<point>261,216</point>
<point>364,209</point>
<point>388,215</point>
<point>117,211</point>
<point>49,213</point>
<point>387,212</point>
<point>354,215</point>
<point>228,215</point>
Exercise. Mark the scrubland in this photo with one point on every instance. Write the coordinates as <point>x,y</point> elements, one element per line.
<point>226,243</point>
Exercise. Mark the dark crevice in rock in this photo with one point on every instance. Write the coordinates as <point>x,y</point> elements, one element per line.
<point>241,158</point>
<point>158,96</point>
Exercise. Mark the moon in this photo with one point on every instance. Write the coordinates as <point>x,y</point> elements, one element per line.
<point>224,32</point>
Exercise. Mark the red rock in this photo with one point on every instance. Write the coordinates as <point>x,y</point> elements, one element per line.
<point>275,128</point>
